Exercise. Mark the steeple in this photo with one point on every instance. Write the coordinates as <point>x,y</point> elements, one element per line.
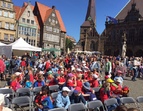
<point>90,15</point>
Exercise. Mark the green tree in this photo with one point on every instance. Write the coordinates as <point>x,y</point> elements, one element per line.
<point>69,44</point>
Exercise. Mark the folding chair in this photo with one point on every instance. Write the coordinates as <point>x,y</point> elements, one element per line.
<point>54,88</point>
<point>7,91</point>
<point>36,90</point>
<point>58,109</point>
<point>9,96</point>
<point>109,102</point>
<point>96,89</point>
<point>23,92</point>
<point>95,105</point>
<point>128,100</point>
<point>140,101</point>
<point>77,107</point>
<point>70,93</point>
<point>54,95</point>
<point>21,102</point>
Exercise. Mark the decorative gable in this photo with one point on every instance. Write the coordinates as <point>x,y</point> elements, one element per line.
<point>133,14</point>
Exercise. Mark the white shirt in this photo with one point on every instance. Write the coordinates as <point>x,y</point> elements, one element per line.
<point>6,109</point>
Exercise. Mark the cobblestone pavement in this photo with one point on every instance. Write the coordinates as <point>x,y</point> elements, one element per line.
<point>136,87</point>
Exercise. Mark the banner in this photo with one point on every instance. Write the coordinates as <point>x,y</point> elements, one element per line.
<point>6,50</point>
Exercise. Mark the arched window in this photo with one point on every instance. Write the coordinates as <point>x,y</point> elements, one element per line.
<point>92,46</point>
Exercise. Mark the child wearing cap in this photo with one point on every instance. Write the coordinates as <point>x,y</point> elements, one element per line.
<point>63,99</point>
<point>71,81</point>
<point>95,82</point>
<point>77,96</point>
<point>14,83</point>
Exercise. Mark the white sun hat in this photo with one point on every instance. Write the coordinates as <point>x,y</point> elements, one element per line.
<point>66,89</point>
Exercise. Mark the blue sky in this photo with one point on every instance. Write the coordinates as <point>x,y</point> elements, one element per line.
<point>73,12</point>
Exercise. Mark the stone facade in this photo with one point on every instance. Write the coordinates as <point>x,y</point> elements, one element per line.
<point>27,25</point>
<point>7,21</point>
<point>132,25</point>
<point>89,38</point>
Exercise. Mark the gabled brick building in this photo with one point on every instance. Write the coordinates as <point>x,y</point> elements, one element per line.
<point>52,29</point>
<point>27,23</point>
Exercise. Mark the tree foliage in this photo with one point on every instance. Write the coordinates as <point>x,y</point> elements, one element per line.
<point>69,44</point>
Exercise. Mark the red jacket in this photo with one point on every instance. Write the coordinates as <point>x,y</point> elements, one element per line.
<point>2,66</point>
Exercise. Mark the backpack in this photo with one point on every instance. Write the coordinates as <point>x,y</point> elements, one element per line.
<point>47,103</point>
<point>13,63</point>
<point>28,84</point>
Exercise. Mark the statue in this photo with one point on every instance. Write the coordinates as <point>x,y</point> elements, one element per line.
<point>124,46</point>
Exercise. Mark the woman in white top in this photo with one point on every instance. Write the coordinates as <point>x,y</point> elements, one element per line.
<point>2,108</point>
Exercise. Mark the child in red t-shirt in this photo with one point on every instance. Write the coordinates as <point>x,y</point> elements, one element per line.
<point>30,73</point>
<point>95,82</point>
<point>71,81</point>
<point>79,81</point>
<point>61,79</point>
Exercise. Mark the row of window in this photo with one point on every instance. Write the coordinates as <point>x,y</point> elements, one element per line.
<point>51,37</point>
<point>27,21</point>
<point>30,41</point>
<point>6,5</point>
<point>6,14</point>
<point>27,31</point>
<point>53,21</point>
<point>55,30</point>
<point>7,25</point>
<point>8,37</point>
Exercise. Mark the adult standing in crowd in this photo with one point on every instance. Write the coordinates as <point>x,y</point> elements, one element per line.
<point>108,66</point>
<point>13,64</point>
<point>2,68</point>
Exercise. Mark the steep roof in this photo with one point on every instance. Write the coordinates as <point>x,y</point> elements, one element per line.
<point>91,10</point>
<point>45,12</point>
<point>123,13</point>
<point>19,11</point>
<point>48,13</point>
<point>86,23</point>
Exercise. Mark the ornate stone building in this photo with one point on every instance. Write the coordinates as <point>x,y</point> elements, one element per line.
<point>89,37</point>
<point>7,21</point>
<point>130,21</point>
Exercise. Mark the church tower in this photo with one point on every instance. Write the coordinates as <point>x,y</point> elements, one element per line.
<point>88,34</point>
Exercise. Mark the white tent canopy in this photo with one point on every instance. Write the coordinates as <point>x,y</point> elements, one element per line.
<point>2,44</point>
<point>20,44</point>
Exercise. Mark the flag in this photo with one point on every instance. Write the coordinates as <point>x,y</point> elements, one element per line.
<point>112,19</point>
